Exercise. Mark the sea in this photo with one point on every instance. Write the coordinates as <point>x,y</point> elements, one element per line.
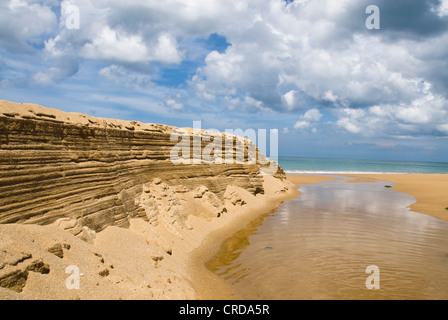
<point>299,165</point>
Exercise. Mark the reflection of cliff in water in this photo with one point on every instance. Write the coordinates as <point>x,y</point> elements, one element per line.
<point>232,248</point>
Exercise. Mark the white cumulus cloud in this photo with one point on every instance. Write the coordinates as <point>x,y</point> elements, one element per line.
<point>309,119</point>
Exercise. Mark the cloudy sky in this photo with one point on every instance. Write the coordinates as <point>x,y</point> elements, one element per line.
<point>309,68</point>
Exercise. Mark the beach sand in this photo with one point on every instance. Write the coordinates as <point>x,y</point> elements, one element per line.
<point>429,190</point>
<point>139,262</point>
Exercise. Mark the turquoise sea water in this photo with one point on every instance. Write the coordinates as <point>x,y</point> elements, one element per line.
<point>335,166</point>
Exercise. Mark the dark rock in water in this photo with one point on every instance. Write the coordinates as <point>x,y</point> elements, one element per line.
<point>268,248</point>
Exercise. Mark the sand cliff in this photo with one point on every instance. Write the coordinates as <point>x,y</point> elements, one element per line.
<point>104,196</point>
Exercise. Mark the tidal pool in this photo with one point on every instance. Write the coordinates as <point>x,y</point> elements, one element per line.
<point>319,245</point>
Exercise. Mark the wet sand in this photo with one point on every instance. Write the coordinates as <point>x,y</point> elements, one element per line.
<point>429,190</point>
<point>299,179</point>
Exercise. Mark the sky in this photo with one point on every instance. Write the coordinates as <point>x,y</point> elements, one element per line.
<point>310,68</point>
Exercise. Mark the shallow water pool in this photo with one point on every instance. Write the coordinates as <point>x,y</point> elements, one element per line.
<point>319,246</point>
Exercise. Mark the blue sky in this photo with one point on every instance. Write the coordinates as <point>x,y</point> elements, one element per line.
<point>309,68</point>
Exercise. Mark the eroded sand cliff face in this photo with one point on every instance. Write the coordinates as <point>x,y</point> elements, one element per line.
<point>104,195</point>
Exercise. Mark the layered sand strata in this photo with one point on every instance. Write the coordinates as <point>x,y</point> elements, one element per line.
<point>102,196</point>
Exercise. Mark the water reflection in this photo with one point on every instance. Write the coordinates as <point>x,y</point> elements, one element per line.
<point>319,245</point>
